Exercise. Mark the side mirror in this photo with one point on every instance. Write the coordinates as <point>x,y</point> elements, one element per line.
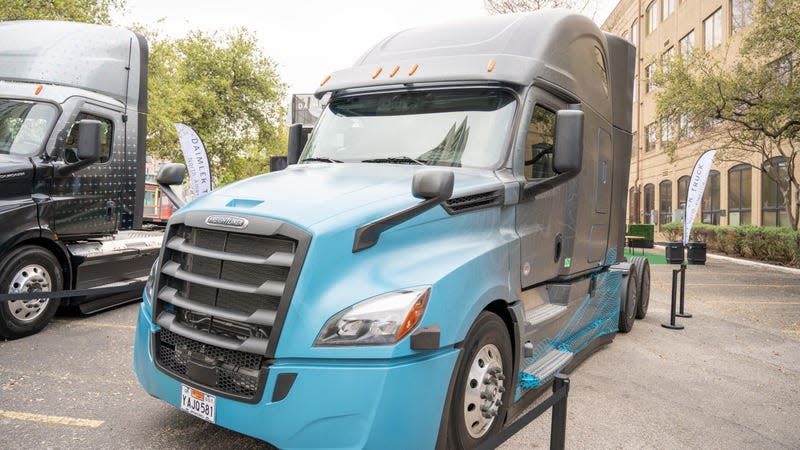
<point>568,142</point>
<point>171,175</point>
<point>428,184</point>
<point>295,146</point>
<point>89,140</point>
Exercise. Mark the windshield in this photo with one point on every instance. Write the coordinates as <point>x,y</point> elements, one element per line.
<point>24,126</point>
<point>462,128</point>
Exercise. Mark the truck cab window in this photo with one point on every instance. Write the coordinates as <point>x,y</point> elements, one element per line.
<point>106,138</point>
<point>539,144</point>
<point>24,126</point>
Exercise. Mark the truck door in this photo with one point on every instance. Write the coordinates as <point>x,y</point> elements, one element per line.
<point>86,200</point>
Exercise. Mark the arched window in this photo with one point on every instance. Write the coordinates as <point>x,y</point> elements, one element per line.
<point>710,205</point>
<point>633,205</point>
<point>773,207</point>
<point>649,202</point>
<point>739,197</point>
<point>683,191</point>
<point>665,201</point>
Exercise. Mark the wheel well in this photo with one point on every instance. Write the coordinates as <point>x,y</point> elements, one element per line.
<point>58,252</point>
<point>500,308</point>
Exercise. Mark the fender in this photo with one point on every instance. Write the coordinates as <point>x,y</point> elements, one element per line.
<point>46,239</point>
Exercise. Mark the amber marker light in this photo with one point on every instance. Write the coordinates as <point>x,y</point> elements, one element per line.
<point>414,316</point>
<point>490,66</point>
<point>377,72</point>
<point>325,80</point>
<point>38,90</point>
<point>413,69</point>
<point>394,71</point>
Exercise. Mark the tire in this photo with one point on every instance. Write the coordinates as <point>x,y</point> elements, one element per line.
<point>642,268</point>
<point>628,295</point>
<point>487,343</point>
<point>28,269</point>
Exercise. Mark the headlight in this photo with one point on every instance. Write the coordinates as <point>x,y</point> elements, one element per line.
<point>380,320</point>
<point>149,288</point>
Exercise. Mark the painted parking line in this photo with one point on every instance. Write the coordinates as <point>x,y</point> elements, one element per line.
<point>748,285</point>
<point>85,323</point>
<point>54,420</point>
<point>749,302</point>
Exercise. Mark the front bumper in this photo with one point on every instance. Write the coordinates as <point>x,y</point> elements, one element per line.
<point>332,403</point>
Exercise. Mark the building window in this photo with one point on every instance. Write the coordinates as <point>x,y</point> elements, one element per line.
<point>667,132</point>
<point>665,201</point>
<point>635,32</point>
<point>649,71</point>
<point>668,55</point>
<point>739,189</point>
<point>773,208</point>
<point>686,44</point>
<point>651,13</point>
<point>649,202</point>
<point>539,144</point>
<point>650,130</point>
<point>783,69</point>
<point>741,14</point>
<point>633,205</point>
<point>683,191</point>
<point>709,207</point>
<point>712,30</point>
<point>667,8</point>
<point>685,126</point>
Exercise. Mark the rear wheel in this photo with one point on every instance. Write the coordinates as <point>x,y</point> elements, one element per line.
<point>628,295</point>
<point>28,269</point>
<point>642,268</point>
<point>482,387</point>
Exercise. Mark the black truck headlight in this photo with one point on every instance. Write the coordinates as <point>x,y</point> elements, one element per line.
<point>149,287</point>
<point>380,320</point>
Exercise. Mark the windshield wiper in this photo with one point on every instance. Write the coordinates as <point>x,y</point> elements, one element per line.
<point>396,160</point>
<point>314,159</point>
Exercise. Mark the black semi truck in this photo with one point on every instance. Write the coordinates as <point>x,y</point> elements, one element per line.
<point>73,122</point>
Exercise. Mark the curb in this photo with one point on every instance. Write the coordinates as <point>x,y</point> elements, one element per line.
<point>747,262</point>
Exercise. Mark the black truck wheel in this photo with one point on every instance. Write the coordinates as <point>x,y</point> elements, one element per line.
<point>28,269</point>
<point>642,268</point>
<point>481,393</point>
<point>628,295</point>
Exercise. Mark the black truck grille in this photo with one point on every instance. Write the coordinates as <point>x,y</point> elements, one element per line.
<point>220,299</point>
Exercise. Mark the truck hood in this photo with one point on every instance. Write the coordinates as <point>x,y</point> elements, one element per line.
<point>16,176</point>
<point>309,195</point>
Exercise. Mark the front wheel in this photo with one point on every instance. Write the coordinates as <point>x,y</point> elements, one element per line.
<point>28,269</point>
<point>482,393</point>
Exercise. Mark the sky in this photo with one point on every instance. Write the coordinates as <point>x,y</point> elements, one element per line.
<point>308,39</point>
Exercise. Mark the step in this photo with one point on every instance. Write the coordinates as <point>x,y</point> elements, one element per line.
<point>545,368</point>
<point>544,313</point>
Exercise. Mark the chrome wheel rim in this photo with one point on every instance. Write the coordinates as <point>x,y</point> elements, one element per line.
<point>483,391</point>
<point>31,278</point>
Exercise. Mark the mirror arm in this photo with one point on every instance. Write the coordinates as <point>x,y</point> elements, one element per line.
<point>65,169</point>
<point>172,195</point>
<point>531,189</point>
<point>367,235</point>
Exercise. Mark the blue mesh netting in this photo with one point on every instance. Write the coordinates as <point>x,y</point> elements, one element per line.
<point>596,316</point>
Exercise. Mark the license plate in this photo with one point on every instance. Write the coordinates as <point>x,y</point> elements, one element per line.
<point>198,403</point>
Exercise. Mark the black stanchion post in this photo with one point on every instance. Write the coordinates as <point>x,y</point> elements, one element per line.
<point>558,425</point>
<point>672,325</point>
<point>681,312</point>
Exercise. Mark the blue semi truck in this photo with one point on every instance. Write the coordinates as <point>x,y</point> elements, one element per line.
<point>449,239</point>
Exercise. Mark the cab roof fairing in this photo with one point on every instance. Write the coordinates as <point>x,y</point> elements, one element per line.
<point>553,45</point>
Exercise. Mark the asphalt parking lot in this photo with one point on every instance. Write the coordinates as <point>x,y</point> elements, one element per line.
<point>731,379</point>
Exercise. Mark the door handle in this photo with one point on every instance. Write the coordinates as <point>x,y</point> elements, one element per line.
<point>110,206</point>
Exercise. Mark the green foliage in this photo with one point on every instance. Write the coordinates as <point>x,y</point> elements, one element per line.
<point>91,11</point>
<point>747,105</point>
<point>644,230</point>
<point>222,86</point>
<point>779,245</point>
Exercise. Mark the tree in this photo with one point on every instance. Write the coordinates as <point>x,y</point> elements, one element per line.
<point>746,102</point>
<point>223,87</point>
<point>516,6</point>
<point>91,11</point>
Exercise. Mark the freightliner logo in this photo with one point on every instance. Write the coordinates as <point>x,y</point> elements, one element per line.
<point>227,221</point>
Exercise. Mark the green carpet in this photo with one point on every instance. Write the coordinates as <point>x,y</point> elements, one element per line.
<point>652,257</point>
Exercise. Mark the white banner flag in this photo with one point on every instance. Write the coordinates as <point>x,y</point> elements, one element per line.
<point>194,152</point>
<point>696,187</point>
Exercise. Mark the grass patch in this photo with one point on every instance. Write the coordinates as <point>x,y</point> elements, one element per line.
<point>653,258</point>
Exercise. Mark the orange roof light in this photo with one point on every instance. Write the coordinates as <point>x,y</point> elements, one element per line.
<point>377,72</point>
<point>490,66</point>
<point>325,80</point>
<point>413,69</point>
<point>394,71</point>
<point>38,89</point>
